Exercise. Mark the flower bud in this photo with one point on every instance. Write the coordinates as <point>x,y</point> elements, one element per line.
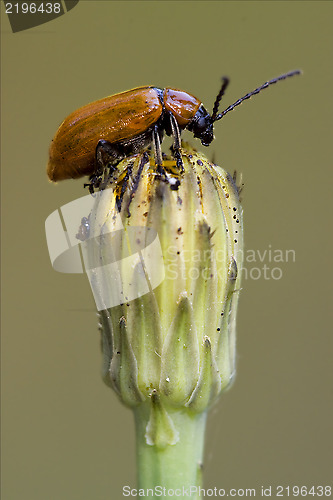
<point>164,259</point>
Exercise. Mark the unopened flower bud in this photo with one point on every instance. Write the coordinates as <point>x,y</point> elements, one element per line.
<point>164,260</point>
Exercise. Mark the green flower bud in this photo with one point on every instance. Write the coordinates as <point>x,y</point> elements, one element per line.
<point>164,258</point>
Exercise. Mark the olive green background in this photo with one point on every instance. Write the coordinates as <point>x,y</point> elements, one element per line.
<point>64,434</point>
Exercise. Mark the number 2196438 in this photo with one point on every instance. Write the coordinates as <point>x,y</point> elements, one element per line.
<point>303,491</point>
<point>33,8</point>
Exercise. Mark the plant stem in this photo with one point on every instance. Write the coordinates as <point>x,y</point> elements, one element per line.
<point>170,466</point>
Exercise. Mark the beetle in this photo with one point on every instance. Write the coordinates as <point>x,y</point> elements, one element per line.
<point>106,131</point>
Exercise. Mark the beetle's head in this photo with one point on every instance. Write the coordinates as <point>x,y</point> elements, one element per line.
<point>202,126</point>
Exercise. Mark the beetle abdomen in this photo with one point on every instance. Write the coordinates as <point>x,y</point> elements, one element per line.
<point>116,118</point>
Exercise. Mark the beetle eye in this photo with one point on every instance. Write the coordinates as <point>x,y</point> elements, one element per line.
<point>202,123</point>
<point>203,126</point>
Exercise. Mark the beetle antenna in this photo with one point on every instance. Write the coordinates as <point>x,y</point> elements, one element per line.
<point>225,83</point>
<point>250,94</point>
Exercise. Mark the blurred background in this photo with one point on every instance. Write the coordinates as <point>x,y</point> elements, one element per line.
<point>64,433</point>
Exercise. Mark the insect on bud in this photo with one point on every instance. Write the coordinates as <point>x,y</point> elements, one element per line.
<point>164,265</point>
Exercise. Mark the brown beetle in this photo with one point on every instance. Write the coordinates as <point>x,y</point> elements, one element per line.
<point>127,123</point>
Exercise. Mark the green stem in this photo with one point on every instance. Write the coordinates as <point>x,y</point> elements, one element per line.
<point>164,465</point>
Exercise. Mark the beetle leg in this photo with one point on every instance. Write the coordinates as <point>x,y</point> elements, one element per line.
<point>95,181</point>
<point>176,148</point>
<point>158,151</point>
<point>107,154</point>
<point>174,183</point>
<point>91,185</point>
